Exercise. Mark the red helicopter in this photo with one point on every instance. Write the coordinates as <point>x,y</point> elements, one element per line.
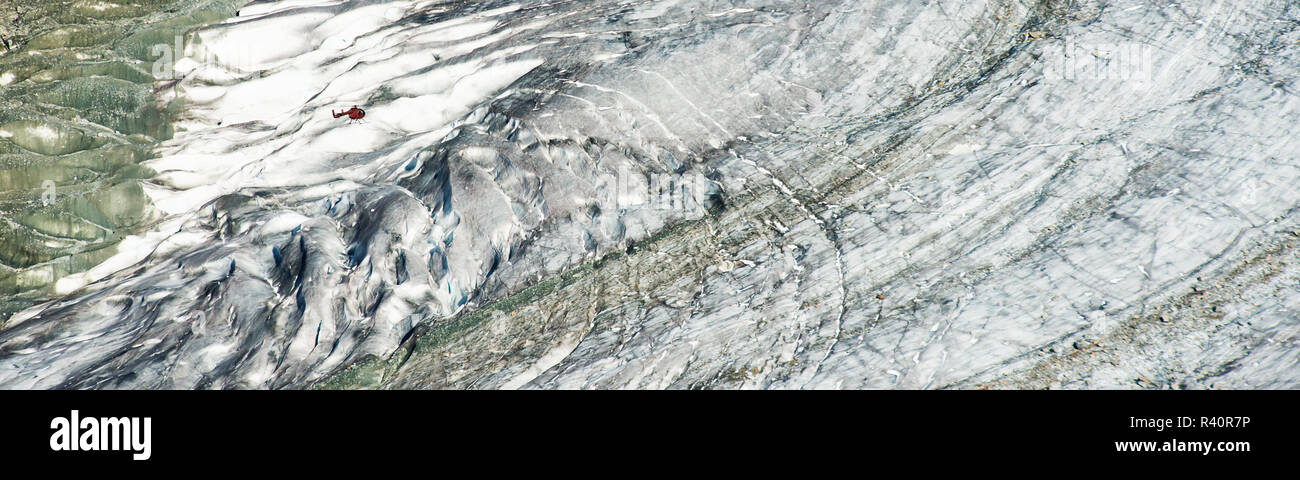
<point>354,113</point>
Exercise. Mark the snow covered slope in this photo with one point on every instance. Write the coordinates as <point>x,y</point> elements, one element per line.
<point>713,194</point>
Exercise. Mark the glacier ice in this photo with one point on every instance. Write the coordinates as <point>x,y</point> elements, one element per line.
<point>713,194</point>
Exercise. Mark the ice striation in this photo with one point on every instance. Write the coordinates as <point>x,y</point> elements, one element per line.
<point>77,115</point>
<point>708,194</point>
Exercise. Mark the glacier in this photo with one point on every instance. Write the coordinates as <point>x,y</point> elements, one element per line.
<point>709,194</point>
